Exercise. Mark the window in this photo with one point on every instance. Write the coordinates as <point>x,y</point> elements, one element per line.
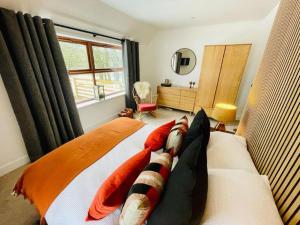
<point>92,63</point>
<point>75,55</point>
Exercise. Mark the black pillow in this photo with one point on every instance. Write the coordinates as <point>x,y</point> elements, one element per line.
<point>200,125</point>
<point>184,197</point>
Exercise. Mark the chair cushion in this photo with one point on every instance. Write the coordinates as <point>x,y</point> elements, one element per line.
<point>145,107</point>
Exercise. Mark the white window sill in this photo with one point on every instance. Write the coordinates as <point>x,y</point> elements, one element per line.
<point>96,101</point>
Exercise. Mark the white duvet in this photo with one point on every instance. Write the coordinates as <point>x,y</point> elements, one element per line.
<point>71,205</point>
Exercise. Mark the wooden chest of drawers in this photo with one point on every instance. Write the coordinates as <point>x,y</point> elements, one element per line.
<point>182,98</point>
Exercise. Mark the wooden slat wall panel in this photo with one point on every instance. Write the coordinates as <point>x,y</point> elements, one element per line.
<point>271,117</point>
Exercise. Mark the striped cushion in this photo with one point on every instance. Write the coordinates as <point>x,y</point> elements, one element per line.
<point>146,190</point>
<point>176,136</point>
<point>184,121</point>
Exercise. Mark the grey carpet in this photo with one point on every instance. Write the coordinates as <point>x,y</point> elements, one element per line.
<point>15,210</point>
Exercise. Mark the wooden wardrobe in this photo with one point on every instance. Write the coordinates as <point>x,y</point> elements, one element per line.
<point>221,73</point>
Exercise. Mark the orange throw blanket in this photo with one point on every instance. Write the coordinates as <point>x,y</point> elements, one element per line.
<point>47,177</point>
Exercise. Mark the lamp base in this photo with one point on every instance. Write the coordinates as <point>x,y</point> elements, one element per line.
<point>220,126</point>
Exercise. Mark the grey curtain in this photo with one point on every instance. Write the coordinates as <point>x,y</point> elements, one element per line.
<point>35,77</point>
<point>131,69</point>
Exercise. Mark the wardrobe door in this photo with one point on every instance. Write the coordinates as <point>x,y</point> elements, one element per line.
<point>210,71</point>
<point>233,66</point>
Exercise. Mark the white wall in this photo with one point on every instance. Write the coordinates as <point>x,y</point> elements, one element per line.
<point>96,114</point>
<point>12,151</point>
<point>156,56</point>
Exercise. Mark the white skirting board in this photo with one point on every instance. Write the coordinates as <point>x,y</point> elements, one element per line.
<point>8,167</point>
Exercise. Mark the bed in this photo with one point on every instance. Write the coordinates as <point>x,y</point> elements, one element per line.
<point>234,184</point>
<point>71,205</point>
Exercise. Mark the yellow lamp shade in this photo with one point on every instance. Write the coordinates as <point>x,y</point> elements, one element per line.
<point>224,112</point>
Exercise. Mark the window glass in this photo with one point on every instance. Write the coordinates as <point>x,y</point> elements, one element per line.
<point>107,57</point>
<point>83,78</point>
<point>75,55</point>
<point>83,87</point>
<point>113,82</point>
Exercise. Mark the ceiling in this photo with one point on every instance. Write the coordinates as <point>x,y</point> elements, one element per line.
<point>180,13</point>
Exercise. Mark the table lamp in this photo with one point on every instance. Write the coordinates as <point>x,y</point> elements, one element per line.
<point>223,113</point>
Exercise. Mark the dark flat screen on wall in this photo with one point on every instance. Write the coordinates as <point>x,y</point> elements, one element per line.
<point>185,61</point>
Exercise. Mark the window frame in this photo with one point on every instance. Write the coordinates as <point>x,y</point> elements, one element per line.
<point>89,47</point>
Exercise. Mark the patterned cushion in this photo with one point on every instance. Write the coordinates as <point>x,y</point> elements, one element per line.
<point>184,121</point>
<point>176,136</point>
<point>146,190</point>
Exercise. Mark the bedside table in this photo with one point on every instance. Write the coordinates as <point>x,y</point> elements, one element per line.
<point>230,128</point>
<point>212,129</point>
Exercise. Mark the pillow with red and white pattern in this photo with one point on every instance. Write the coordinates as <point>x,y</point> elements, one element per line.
<point>176,135</point>
<point>146,190</point>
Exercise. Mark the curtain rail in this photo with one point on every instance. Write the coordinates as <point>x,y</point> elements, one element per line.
<point>88,32</point>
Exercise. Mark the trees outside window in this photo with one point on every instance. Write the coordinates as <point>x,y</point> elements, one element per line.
<point>92,63</point>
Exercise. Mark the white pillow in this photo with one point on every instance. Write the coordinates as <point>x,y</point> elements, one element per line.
<point>236,197</point>
<point>227,151</point>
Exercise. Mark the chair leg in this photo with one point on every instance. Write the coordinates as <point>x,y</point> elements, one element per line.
<point>139,117</point>
<point>152,113</point>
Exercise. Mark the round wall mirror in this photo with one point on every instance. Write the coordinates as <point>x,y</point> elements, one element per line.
<point>183,61</point>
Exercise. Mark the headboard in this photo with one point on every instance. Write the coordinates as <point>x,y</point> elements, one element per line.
<point>271,118</point>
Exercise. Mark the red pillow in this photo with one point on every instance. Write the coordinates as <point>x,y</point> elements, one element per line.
<point>114,190</point>
<point>157,139</point>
